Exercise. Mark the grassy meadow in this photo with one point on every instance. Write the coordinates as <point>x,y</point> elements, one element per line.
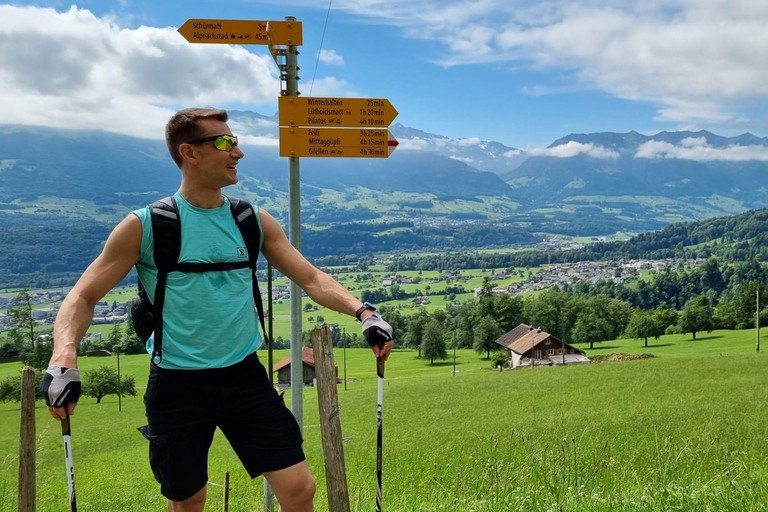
<point>682,431</point>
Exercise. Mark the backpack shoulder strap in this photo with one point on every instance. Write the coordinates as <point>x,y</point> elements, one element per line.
<point>166,235</point>
<point>248,224</point>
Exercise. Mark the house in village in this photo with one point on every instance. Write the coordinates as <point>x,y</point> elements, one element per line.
<point>527,346</point>
<point>283,370</point>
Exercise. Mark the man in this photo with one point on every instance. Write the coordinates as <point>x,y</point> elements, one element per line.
<point>209,375</point>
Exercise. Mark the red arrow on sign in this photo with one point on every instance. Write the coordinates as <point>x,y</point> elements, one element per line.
<point>391,143</point>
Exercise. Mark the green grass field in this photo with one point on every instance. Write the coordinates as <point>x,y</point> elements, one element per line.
<point>682,431</point>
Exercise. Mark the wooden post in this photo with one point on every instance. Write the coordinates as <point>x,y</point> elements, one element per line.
<point>330,422</point>
<point>27,484</point>
<point>226,491</point>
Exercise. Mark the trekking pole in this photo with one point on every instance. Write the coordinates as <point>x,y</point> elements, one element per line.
<point>380,418</point>
<point>66,433</point>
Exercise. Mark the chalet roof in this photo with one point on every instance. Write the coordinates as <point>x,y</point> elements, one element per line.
<point>507,339</point>
<point>529,340</point>
<point>307,357</point>
<point>523,337</point>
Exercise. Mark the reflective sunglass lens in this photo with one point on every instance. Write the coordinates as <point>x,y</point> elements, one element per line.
<point>225,143</point>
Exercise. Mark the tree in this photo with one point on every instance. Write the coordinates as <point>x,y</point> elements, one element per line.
<point>666,316</point>
<point>697,316</point>
<point>21,315</point>
<point>39,355</point>
<point>10,388</point>
<point>466,318</point>
<point>486,289</point>
<point>131,342</point>
<point>102,381</point>
<point>12,344</point>
<point>485,334</point>
<point>643,324</point>
<point>552,311</point>
<point>590,328</point>
<point>508,311</point>
<point>744,304</point>
<point>115,338</point>
<point>501,358</point>
<point>416,325</point>
<point>398,323</point>
<point>433,342</point>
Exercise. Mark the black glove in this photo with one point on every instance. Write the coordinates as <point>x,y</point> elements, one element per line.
<point>60,386</point>
<point>376,330</point>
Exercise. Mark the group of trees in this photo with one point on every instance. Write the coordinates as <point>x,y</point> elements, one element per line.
<point>583,314</point>
<point>35,350</point>
<point>24,340</point>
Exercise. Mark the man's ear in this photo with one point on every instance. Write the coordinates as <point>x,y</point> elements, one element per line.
<point>187,152</point>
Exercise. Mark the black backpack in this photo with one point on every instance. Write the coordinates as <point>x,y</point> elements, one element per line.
<point>166,231</point>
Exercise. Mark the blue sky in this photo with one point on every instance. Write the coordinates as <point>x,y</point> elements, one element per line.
<point>523,73</point>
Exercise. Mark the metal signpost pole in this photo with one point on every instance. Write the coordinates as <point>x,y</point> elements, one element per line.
<point>294,234</point>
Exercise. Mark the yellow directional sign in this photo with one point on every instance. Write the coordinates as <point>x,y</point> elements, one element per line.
<point>337,142</point>
<point>330,112</point>
<point>242,32</point>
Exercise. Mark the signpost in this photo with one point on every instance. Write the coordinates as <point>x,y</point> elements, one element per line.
<point>330,112</point>
<point>337,142</point>
<point>287,32</point>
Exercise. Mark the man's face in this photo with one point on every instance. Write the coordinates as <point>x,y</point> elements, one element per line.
<point>215,167</point>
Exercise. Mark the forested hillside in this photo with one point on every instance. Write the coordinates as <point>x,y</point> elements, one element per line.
<point>742,237</point>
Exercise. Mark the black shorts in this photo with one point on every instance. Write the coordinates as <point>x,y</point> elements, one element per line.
<point>184,407</point>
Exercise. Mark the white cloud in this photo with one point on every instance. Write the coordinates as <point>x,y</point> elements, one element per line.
<point>72,69</point>
<point>331,86</point>
<point>331,57</point>
<point>696,60</point>
<point>413,145</point>
<point>512,153</point>
<point>256,140</point>
<point>469,141</point>
<point>464,159</point>
<point>573,148</point>
<point>698,149</point>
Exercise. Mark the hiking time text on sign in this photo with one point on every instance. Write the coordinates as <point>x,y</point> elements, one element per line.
<point>325,127</point>
<point>340,142</point>
<point>242,32</point>
<point>373,112</point>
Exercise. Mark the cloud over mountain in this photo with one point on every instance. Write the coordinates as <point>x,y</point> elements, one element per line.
<point>699,150</point>
<point>573,148</point>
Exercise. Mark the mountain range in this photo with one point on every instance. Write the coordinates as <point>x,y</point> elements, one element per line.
<point>603,182</point>
<point>62,190</point>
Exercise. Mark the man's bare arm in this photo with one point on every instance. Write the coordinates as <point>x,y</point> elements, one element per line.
<point>120,253</point>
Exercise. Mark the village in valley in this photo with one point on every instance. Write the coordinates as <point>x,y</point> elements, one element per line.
<point>46,302</point>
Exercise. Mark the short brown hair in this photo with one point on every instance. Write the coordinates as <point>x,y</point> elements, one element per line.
<point>185,125</point>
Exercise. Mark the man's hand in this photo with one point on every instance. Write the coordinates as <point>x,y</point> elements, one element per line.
<point>61,388</point>
<point>378,334</point>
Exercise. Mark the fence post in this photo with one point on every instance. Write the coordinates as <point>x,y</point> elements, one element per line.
<point>330,422</point>
<point>27,484</point>
<point>226,491</point>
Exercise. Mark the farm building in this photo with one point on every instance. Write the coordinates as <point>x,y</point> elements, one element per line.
<point>283,369</point>
<point>527,346</point>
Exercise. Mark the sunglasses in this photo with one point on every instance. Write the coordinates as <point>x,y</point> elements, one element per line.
<point>220,142</point>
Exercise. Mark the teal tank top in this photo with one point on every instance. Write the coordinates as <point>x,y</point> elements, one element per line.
<point>209,318</point>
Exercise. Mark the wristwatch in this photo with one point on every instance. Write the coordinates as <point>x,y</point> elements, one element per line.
<point>367,306</point>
